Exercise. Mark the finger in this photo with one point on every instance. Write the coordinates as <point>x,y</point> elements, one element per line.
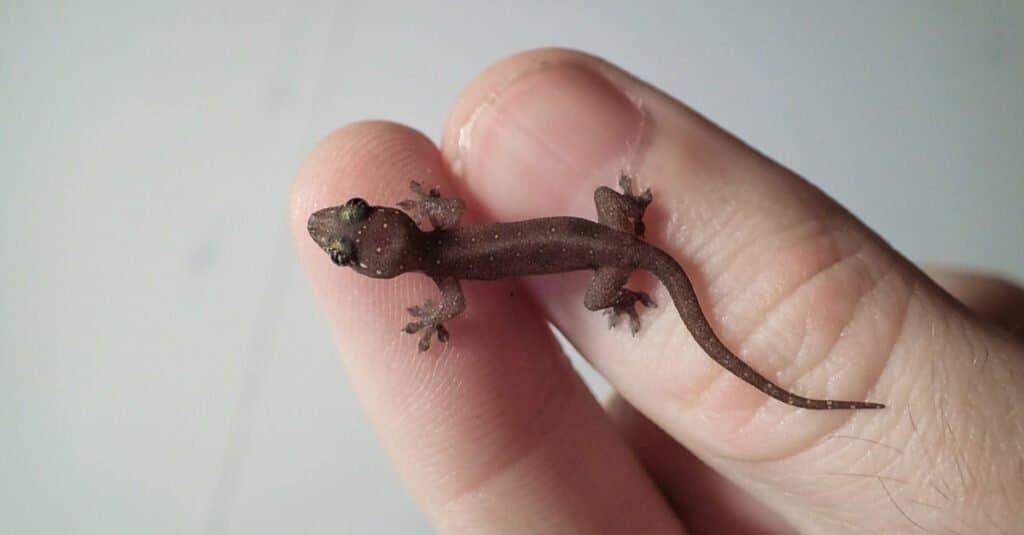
<point>991,298</point>
<point>704,500</point>
<point>494,431</point>
<point>790,281</point>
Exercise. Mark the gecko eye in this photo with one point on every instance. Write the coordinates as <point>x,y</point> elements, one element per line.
<point>355,210</point>
<point>345,253</point>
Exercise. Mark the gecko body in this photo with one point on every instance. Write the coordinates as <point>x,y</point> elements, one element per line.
<point>383,242</point>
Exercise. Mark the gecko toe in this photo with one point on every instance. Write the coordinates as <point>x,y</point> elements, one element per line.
<point>424,343</point>
<point>613,317</point>
<point>442,334</point>
<point>634,321</point>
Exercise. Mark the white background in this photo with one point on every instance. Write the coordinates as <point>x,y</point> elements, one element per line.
<point>163,366</point>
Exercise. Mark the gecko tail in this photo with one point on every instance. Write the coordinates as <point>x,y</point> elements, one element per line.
<point>680,288</point>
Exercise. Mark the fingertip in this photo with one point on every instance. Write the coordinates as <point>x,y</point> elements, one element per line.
<point>539,130</point>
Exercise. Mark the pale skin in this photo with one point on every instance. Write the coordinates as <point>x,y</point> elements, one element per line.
<point>494,432</point>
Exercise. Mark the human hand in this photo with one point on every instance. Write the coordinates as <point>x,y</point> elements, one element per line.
<point>494,432</point>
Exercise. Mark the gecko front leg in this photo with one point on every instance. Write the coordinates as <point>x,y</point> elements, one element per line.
<point>443,214</point>
<point>430,317</point>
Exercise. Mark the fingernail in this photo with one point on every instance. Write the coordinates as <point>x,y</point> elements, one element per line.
<point>555,125</point>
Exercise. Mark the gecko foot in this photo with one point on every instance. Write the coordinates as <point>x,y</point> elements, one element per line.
<point>441,212</point>
<point>626,305</point>
<point>428,323</point>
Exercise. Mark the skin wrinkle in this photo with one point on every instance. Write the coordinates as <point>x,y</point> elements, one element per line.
<point>854,528</point>
<point>878,280</point>
<point>868,440</point>
<point>548,148</point>
<point>755,247</point>
<point>783,300</point>
<point>774,309</point>
<point>753,414</point>
<point>677,232</point>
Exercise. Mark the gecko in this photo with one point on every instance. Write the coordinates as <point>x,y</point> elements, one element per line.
<point>383,242</point>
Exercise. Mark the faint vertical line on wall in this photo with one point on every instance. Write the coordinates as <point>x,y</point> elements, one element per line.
<point>258,352</point>
<point>257,359</point>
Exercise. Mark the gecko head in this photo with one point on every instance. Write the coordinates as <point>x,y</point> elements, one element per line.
<point>372,240</point>
<point>336,229</point>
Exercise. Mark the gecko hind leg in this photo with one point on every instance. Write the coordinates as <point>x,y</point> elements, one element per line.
<point>443,213</point>
<point>606,292</point>
<point>622,211</point>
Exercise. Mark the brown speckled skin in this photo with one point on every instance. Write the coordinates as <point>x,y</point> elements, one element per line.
<point>384,242</point>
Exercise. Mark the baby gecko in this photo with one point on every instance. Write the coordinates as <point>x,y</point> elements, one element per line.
<point>382,242</point>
